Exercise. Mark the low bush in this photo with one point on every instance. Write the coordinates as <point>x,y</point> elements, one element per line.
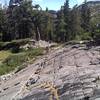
<point>13,44</point>
<point>16,60</point>
<point>86,36</point>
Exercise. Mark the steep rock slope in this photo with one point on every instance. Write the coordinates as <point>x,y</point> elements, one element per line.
<point>69,73</point>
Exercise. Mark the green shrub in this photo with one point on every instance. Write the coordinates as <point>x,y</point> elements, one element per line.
<point>34,52</point>
<point>86,36</point>
<point>5,69</point>
<point>83,36</point>
<point>4,55</point>
<point>78,38</point>
<point>12,62</point>
<point>15,49</point>
<point>13,44</point>
<point>17,60</point>
<point>97,35</point>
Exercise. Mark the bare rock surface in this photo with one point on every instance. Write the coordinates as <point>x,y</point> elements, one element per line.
<point>68,73</point>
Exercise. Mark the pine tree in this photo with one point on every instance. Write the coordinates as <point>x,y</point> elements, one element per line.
<point>37,20</point>
<point>8,27</point>
<point>61,27</point>
<point>23,18</point>
<point>19,21</point>
<point>48,29</point>
<point>85,17</point>
<point>67,19</point>
<point>75,22</point>
<point>1,21</point>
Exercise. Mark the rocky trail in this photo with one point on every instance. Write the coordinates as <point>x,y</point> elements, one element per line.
<point>69,73</point>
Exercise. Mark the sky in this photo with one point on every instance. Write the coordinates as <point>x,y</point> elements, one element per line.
<point>52,4</point>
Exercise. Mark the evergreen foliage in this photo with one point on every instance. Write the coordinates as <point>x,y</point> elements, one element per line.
<point>23,20</point>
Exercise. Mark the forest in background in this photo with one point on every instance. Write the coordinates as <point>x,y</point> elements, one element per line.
<point>25,20</point>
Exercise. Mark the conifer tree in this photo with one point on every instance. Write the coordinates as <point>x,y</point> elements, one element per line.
<point>85,17</point>
<point>67,19</point>
<point>61,27</point>
<point>75,22</point>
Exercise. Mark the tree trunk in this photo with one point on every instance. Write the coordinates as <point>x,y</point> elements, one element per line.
<point>39,37</point>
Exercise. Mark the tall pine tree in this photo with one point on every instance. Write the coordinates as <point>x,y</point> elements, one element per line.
<point>75,22</point>
<point>85,17</point>
<point>67,19</point>
<point>61,27</point>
